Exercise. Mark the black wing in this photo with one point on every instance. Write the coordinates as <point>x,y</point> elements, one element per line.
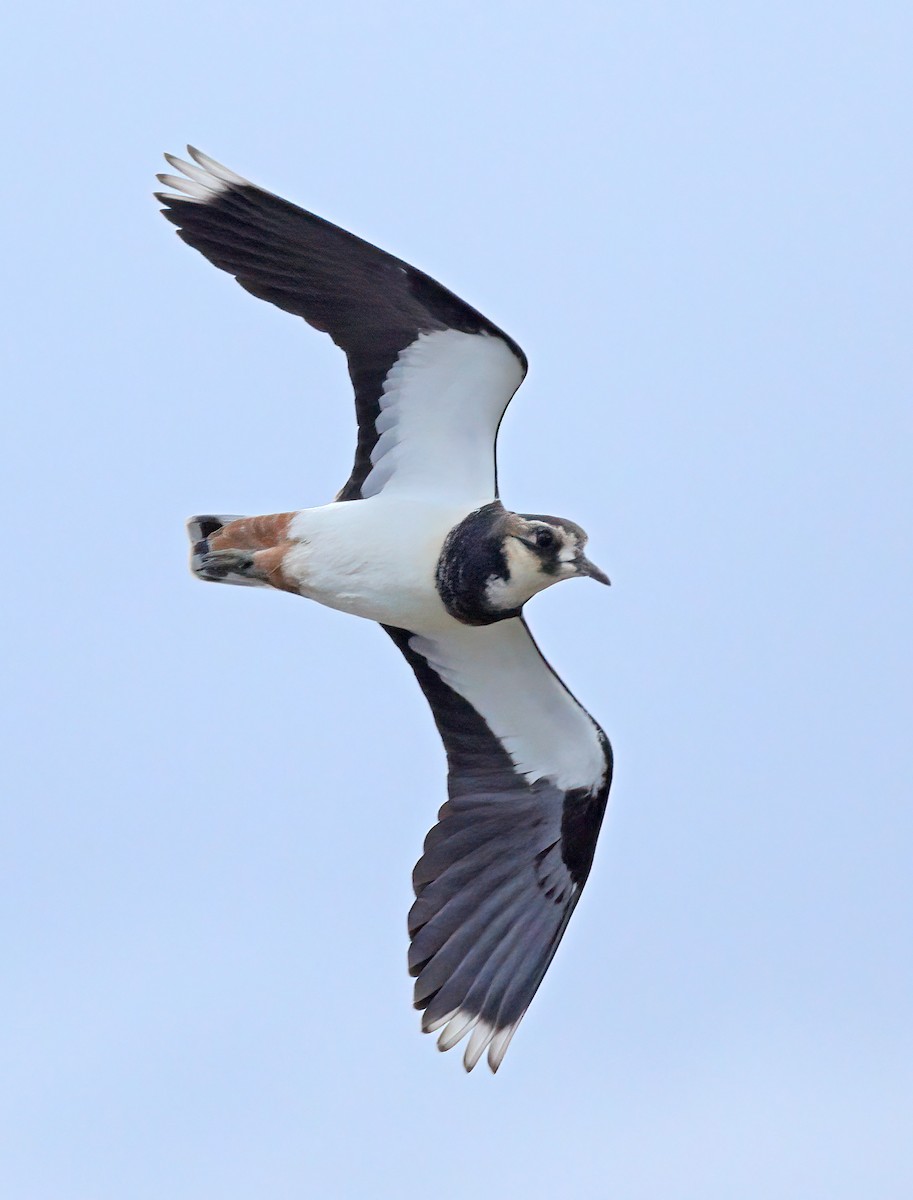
<point>374,306</point>
<point>528,779</point>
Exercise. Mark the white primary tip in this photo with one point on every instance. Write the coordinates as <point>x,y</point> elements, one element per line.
<point>456,1029</point>
<point>499,1044</point>
<point>216,168</point>
<point>197,174</point>
<point>196,191</point>
<point>481,1036</point>
<point>431,1026</point>
<point>205,178</point>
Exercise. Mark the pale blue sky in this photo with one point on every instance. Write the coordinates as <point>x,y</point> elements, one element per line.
<point>695,218</point>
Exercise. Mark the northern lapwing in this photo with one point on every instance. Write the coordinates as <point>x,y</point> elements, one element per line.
<point>419,541</point>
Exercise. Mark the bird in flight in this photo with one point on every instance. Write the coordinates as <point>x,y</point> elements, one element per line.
<point>419,541</point>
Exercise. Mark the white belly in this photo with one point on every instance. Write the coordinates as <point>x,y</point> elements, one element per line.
<point>375,558</point>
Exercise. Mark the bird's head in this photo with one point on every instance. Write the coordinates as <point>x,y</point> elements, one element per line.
<point>540,551</point>
<point>494,561</point>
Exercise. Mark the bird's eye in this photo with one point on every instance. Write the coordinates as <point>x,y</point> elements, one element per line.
<point>544,538</point>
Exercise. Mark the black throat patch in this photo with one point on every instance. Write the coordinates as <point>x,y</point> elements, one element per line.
<point>473,552</point>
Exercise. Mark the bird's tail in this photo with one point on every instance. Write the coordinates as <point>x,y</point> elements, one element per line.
<point>202,532</point>
<point>247,551</point>
<point>200,529</point>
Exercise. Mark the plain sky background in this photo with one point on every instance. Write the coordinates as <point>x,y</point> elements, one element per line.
<point>695,218</point>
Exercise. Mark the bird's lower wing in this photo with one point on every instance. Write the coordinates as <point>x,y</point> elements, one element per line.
<point>502,870</point>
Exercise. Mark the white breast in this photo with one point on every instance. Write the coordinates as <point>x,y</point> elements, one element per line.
<point>374,558</point>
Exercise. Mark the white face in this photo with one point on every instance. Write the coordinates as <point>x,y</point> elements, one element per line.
<point>538,555</point>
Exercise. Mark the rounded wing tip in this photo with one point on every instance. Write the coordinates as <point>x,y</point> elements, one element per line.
<point>483,1035</point>
<point>200,181</point>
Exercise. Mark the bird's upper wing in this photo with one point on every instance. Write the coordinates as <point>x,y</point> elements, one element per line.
<point>432,376</point>
<point>501,872</point>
